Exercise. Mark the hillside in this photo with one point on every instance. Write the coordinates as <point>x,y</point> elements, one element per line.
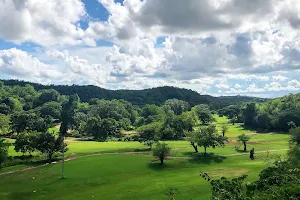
<point>140,97</point>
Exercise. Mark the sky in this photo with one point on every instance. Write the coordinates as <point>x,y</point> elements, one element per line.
<point>215,47</point>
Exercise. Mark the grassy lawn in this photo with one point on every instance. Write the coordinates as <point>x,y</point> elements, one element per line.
<point>88,147</point>
<point>130,177</point>
<point>260,142</point>
<point>233,130</point>
<point>121,177</point>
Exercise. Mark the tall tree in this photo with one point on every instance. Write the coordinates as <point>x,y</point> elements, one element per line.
<point>250,113</point>
<point>67,119</point>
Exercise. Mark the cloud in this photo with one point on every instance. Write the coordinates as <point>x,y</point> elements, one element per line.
<point>80,70</point>
<point>279,78</point>
<point>223,85</point>
<point>19,64</point>
<point>237,86</point>
<point>43,22</point>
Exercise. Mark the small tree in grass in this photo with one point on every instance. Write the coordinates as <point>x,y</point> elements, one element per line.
<point>161,151</point>
<point>47,144</point>
<point>208,137</point>
<point>224,129</point>
<point>244,139</point>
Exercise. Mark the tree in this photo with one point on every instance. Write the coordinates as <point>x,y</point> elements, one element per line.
<point>51,109</point>
<point>152,113</point>
<point>115,109</point>
<point>3,151</point>
<point>48,144</point>
<point>263,121</point>
<point>47,96</point>
<point>224,129</point>
<point>244,139</point>
<point>21,121</point>
<point>161,151</point>
<point>25,142</point>
<point>148,134</point>
<point>28,121</point>
<point>4,124</point>
<point>203,113</point>
<point>13,103</point>
<point>226,189</point>
<point>110,127</point>
<point>208,137</point>
<point>100,129</point>
<point>177,106</point>
<point>93,127</point>
<point>192,137</point>
<point>67,114</point>
<point>250,113</point>
<point>295,135</point>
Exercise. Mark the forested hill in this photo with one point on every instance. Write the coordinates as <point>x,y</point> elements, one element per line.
<point>140,97</point>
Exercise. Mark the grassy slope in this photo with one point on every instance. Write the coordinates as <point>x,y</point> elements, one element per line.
<point>122,177</point>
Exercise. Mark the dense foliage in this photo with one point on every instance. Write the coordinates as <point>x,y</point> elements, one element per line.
<point>278,114</point>
<point>155,96</point>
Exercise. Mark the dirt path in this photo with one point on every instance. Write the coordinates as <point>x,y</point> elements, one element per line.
<point>127,153</point>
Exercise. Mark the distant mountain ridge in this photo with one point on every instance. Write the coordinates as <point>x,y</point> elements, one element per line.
<point>140,97</point>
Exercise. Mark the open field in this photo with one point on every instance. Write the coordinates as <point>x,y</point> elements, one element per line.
<point>122,177</point>
<point>130,176</point>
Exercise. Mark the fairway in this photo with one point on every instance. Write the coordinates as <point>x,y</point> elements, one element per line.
<point>123,177</point>
<point>126,171</point>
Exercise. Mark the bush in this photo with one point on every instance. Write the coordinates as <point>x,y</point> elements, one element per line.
<point>161,151</point>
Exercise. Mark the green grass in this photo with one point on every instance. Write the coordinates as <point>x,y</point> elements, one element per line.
<point>122,177</point>
<point>125,176</point>
<point>233,130</point>
<point>89,147</point>
<point>54,130</point>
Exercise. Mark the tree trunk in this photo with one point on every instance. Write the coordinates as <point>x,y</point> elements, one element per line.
<point>195,147</point>
<point>223,133</point>
<point>245,147</point>
<point>63,159</point>
<point>204,150</point>
<point>161,160</point>
<point>50,157</point>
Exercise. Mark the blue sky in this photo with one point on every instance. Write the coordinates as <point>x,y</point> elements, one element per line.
<point>213,47</point>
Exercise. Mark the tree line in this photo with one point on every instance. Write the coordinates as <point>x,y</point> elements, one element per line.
<point>279,114</point>
<point>140,97</point>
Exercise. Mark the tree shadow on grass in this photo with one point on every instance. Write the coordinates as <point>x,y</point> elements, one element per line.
<point>201,158</point>
<point>157,166</point>
<point>241,151</point>
<point>142,150</point>
<point>167,165</point>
